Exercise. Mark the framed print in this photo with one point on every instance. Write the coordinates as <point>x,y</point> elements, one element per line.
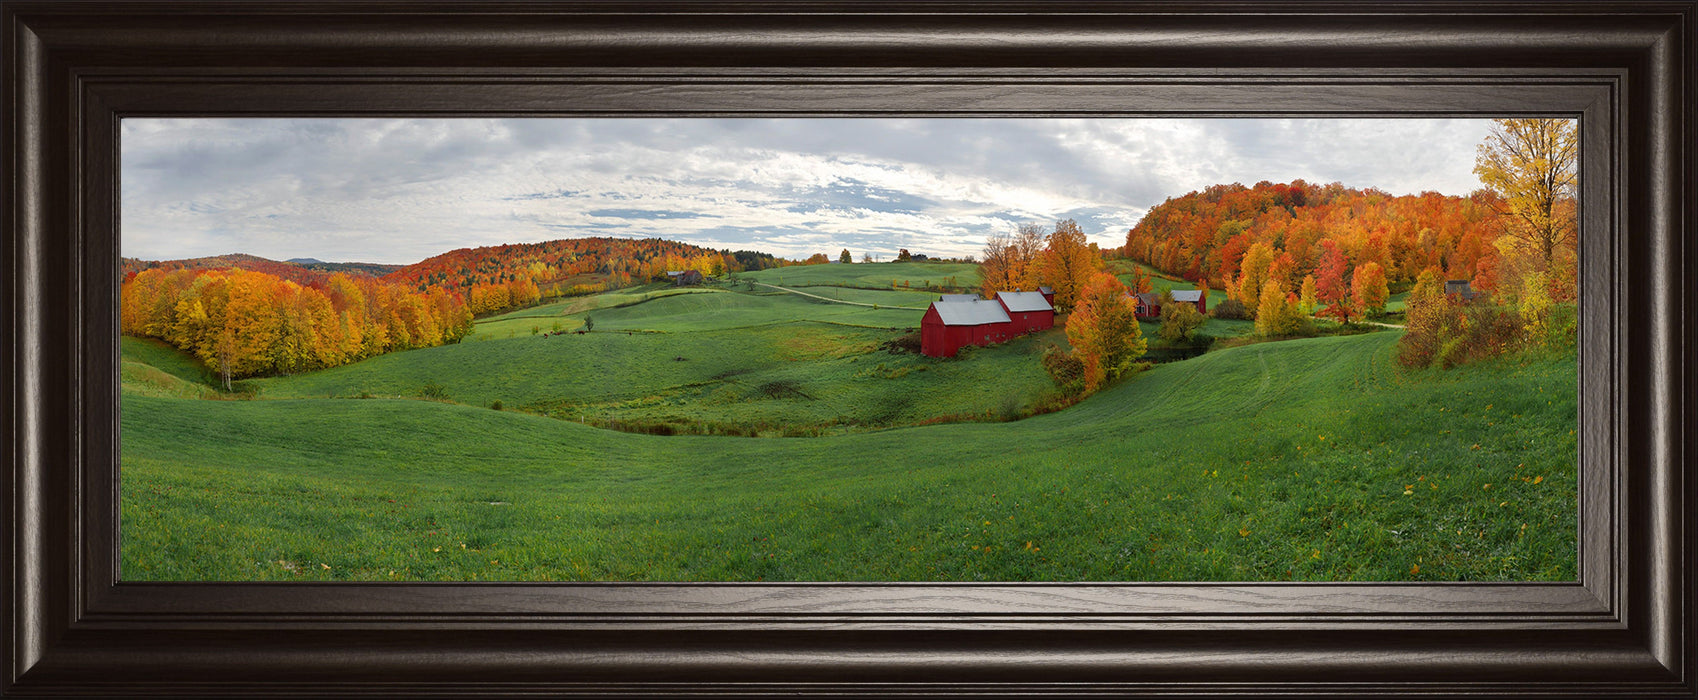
<point>727,403</point>
<point>87,82</point>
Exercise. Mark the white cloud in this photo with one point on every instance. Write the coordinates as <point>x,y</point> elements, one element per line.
<point>400,190</point>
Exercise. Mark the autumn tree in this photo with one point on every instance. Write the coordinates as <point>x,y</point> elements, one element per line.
<point>1530,164</point>
<point>1067,263</point>
<point>1009,259</point>
<point>996,269</point>
<point>1276,312</point>
<point>1368,289</point>
<point>1332,287</point>
<point>1306,296</point>
<point>844,257</point>
<point>1140,283</point>
<point>902,255</point>
<point>1281,270</point>
<point>1427,285</point>
<point>1103,330</point>
<point>1252,273</point>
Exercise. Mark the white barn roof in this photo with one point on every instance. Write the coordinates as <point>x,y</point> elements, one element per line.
<point>1025,301</point>
<point>975,312</point>
<point>1191,295</point>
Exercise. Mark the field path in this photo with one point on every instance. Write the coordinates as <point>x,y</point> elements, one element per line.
<point>835,301</point>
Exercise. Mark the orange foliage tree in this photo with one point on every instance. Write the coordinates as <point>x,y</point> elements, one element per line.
<point>1331,288</point>
<point>1067,263</point>
<point>1103,331</point>
<point>1368,289</point>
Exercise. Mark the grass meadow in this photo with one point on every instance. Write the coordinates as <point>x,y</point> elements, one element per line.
<point>1317,459</point>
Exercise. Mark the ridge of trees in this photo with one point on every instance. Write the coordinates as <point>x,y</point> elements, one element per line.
<point>244,315</point>
<point>294,272</point>
<point>494,278</point>
<point>1241,237</point>
<point>242,323</point>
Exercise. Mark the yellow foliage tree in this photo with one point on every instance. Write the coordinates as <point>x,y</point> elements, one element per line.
<point>1103,330</point>
<point>1276,312</point>
<point>1530,164</point>
<point>1252,273</point>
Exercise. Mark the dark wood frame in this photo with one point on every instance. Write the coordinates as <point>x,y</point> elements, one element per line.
<point>72,69</point>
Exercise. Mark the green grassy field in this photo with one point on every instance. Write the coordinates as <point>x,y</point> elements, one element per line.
<point>704,361</point>
<point>869,275</point>
<point>152,368</point>
<point>779,378</point>
<point>1313,459</point>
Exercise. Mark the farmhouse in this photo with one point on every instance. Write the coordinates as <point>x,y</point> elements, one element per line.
<point>955,321</point>
<point>685,277</point>
<point>1460,288</point>
<point>1194,297</point>
<point>1149,303</point>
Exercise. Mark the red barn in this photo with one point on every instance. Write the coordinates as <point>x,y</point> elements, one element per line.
<point>950,325</point>
<point>1028,311</point>
<point>1148,306</point>
<point>1195,297</point>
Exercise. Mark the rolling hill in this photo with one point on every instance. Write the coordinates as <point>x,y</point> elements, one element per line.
<point>1313,459</point>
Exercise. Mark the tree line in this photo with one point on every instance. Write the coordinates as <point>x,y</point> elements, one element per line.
<point>242,323</point>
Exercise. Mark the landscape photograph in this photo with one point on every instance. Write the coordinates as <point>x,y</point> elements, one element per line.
<point>868,349</point>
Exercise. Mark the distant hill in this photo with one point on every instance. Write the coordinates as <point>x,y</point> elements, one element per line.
<point>298,270</point>
<point>351,268</point>
<point>289,271</point>
<point>615,262</point>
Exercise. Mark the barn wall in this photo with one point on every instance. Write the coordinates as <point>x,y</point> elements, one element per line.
<point>935,338</point>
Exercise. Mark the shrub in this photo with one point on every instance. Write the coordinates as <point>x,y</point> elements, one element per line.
<point>1443,332</point>
<point>908,343</point>
<point>1179,320</point>
<point>1064,369</point>
<point>1008,408</point>
<point>432,390</point>
<point>1232,309</point>
<point>496,404</point>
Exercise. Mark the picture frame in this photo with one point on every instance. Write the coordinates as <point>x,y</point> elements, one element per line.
<point>72,70</point>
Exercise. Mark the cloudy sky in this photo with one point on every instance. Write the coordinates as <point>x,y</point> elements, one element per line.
<point>401,190</point>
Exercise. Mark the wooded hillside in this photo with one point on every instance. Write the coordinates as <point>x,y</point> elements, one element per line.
<point>1227,233</point>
